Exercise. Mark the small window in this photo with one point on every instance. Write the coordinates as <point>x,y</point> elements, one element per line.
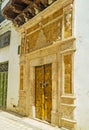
<point>5,39</point>
<point>19,49</point>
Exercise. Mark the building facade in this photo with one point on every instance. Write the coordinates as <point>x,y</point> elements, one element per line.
<point>9,66</point>
<point>46,66</point>
<point>53,85</point>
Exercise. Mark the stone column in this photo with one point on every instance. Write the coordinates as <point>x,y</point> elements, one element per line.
<point>31,92</point>
<point>54,113</point>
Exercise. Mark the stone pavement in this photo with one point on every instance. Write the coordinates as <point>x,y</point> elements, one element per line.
<point>10,121</point>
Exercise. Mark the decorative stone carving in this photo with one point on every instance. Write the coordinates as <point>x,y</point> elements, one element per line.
<point>22,46</point>
<point>41,40</point>
<point>59,31</point>
<point>40,24</point>
<point>68,25</point>
<point>27,46</point>
<point>68,21</point>
<point>67,112</point>
<point>21,77</point>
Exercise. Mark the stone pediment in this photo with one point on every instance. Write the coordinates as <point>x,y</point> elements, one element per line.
<point>41,40</point>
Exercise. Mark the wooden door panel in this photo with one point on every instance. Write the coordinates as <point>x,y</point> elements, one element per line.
<point>48,92</point>
<point>39,79</point>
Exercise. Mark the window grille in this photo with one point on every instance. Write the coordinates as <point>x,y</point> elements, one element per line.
<point>3,67</point>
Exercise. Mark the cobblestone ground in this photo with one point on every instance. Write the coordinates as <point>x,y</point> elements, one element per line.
<point>10,121</point>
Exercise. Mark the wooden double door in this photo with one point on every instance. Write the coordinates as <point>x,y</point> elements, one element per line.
<point>43,92</point>
<point>3,89</point>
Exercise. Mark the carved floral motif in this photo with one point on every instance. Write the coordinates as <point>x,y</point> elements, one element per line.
<point>67,112</point>
<point>68,25</point>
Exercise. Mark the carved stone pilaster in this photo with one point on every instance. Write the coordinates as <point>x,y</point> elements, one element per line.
<point>68,21</point>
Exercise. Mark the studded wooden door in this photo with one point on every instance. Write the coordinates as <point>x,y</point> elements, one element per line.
<point>43,83</point>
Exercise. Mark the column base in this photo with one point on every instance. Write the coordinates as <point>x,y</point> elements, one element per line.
<point>54,118</point>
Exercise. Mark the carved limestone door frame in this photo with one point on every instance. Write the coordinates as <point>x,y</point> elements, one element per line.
<point>51,59</point>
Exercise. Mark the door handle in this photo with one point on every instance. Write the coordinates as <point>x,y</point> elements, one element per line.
<point>45,84</point>
<point>46,98</point>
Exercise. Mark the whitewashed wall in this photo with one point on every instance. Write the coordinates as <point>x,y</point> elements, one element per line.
<point>4,3</point>
<point>10,54</point>
<point>81,72</point>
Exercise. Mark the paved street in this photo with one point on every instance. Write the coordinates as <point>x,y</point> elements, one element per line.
<point>12,122</point>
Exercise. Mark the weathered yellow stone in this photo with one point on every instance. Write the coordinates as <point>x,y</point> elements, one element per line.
<point>48,38</point>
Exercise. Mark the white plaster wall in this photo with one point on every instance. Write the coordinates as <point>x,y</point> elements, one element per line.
<point>10,54</point>
<point>81,65</point>
<point>4,3</point>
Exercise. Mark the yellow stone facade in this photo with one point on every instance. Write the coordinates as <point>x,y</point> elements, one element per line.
<point>48,39</point>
